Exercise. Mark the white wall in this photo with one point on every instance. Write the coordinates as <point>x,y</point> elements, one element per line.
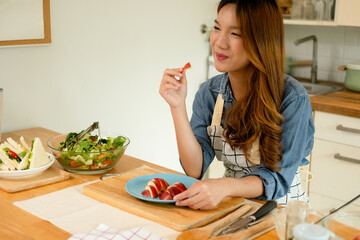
<point>105,64</point>
<point>336,46</point>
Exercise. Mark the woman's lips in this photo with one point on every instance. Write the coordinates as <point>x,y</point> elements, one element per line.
<point>221,57</point>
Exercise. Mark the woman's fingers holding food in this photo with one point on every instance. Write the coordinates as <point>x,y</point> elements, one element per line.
<point>169,84</point>
<point>169,79</point>
<point>173,87</point>
<point>197,201</point>
<point>187,199</point>
<point>191,196</point>
<point>204,194</point>
<point>184,195</point>
<point>173,72</point>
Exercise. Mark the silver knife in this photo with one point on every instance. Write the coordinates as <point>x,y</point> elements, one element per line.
<point>243,222</point>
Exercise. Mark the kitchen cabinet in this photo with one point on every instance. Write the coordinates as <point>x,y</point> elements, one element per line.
<point>335,162</point>
<point>346,14</point>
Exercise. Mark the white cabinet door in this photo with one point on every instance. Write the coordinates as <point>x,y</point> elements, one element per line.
<point>337,128</point>
<point>335,162</point>
<point>332,176</point>
<point>347,12</point>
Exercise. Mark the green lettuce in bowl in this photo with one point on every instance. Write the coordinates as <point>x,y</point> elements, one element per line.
<point>92,154</point>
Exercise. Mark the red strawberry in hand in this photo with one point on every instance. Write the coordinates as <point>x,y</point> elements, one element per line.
<point>186,66</point>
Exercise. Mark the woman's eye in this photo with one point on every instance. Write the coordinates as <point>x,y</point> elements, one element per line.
<point>236,34</point>
<point>216,28</point>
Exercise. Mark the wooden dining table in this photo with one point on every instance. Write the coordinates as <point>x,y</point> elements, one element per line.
<point>17,224</point>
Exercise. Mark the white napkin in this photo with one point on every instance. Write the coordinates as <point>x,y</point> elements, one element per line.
<point>104,232</point>
<point>58,208</point>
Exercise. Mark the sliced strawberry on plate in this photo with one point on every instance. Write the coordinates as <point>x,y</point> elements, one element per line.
<point>165,195</point>
<point>180,186</point>
<point>164,184</point>
<point>152,190</point>
<point>156,185</point>
<point>173,191</point>
<point>146,193</point>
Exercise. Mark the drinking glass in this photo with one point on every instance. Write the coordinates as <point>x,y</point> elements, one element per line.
<point>280,220</point>
<point>320,10</point>
<point>328,9</point>
<point>296,11</point>
<point>308,10</point>
<point>297,212</point>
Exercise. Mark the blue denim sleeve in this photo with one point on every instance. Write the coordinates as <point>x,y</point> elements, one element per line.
<point>297,142</point>
<point>203,106</point>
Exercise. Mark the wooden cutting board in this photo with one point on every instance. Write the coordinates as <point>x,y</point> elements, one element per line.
<point>112,191</point>
<point>51,175</point>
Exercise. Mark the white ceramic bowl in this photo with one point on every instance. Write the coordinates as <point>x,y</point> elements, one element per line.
<point>27,173</point>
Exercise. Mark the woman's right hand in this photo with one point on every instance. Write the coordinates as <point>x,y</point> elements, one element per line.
<point>172,90</point>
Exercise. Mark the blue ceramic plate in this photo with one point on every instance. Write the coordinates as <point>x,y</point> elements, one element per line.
<point>137,185</point>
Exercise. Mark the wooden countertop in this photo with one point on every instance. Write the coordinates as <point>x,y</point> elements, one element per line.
<point>20,224</point>
<point>342,102</point>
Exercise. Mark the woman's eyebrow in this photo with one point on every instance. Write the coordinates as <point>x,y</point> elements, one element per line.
<point>231,27</point>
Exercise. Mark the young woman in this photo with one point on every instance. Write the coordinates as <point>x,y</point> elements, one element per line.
<point>254,118</point>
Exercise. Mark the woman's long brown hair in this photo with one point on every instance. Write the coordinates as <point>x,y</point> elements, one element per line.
<point>258,114</point>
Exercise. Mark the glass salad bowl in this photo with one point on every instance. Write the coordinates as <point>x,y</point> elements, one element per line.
<point>91,154</point>
<point>343,225</point>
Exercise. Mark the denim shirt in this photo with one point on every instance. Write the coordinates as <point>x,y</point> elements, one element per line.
<point>297,136</point>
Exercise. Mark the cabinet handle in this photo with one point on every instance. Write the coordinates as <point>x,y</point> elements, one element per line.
<point>347,159</point>
<point>347,129</point>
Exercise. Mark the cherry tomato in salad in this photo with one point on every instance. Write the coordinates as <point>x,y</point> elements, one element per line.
<point>93,139</point>
<point>13,154</point>
<point>75,164</point>
<point>106,162</point>
<point>94,167</point>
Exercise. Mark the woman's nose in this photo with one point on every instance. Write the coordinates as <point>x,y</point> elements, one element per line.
<point>221,41</point>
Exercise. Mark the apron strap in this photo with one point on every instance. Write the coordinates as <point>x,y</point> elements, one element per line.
<point>217,114</point>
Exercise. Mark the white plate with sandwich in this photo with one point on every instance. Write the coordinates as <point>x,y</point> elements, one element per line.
<point>21,161</point>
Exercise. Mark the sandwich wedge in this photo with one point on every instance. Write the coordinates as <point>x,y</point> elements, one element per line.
<point>19,156</point>
<point>38,156</point>
<point>17,148</point>
<point>10,163</point>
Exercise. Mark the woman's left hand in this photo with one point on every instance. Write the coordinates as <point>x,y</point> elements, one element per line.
<point>205,194</point>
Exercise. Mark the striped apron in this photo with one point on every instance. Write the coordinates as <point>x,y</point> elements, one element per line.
<point>234,160</point>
